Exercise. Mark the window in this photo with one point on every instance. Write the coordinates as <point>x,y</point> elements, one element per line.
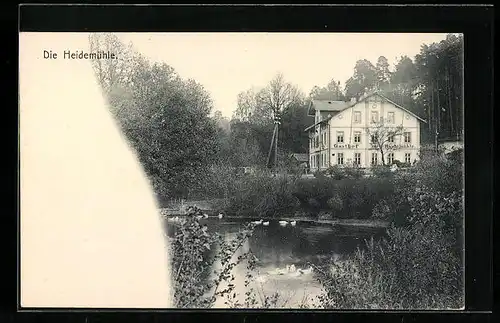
<point>357,136</point>
<point>407,136</point>
<point>357,158</point>
<point>373,139</point>
<point>390,158</point>
<point>340,158</point>
<point>374,116</point>
<point>390,117</point>
<point>374,159</point>
<point>357,117</point>
<point>340,136</point>
<point>390,138</point>
<point>407,158</point>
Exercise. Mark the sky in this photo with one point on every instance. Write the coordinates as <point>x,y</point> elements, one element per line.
<point>229,63</point>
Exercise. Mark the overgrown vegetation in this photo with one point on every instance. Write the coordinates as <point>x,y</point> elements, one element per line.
<point>203,264</point>
<point>264,194</point>
<point>419,263</point>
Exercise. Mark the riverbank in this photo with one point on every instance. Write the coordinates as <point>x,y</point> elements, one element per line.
<point>365,223</point>
<point>344,222</point>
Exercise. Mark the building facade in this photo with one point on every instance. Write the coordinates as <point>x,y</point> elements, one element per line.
<point>350,133</point>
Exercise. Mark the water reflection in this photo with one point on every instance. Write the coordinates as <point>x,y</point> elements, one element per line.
<point>284,255</point>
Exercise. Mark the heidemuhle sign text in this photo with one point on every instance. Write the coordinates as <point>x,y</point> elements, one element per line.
<point>390,146</point>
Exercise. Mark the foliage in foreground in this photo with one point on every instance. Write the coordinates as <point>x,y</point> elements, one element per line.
<point>197,284</point>
<point>419,263</point>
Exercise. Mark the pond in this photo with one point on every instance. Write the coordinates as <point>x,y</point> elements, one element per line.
<point>277,247</point>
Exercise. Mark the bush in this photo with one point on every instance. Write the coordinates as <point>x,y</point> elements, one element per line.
<point>397,163</point>
<point>416,266</point>
<point>262,194</point>
<point>353,172</point>
<point>381,171</point>
<point>313,194</point>
<point>336,203</point>
<point>335,172</point>
<point>192,263</point>
<point>218,182</point>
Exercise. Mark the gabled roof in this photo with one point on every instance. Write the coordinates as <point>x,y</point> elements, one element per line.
<point>301,157</point>
<point>351,104</point>
<point>388,100</point>
<point>326,105</point>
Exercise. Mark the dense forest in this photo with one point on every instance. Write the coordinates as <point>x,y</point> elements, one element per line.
<point>172,124</point>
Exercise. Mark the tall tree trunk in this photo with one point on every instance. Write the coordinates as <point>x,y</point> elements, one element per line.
<point>382,157</point>
<point>438,116</point>
<point>433,118</point>
<point>450,109</point>
<point>431,110</point>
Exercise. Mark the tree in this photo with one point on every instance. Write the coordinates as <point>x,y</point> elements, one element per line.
<point>260,108</point>
<point>439,71</point>
<point>252,107</point>
<point>111,73</point>
<point>294,120</point>
<point>381,134</point>
<point>248,143</point>
<point>279,95</point>
<point>364,79</point>
<point>332,91</point>
<point>382,72</point>
<point>165,118</point>
<point>403,85</point>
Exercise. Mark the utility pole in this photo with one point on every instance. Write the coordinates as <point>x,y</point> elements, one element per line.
<point>277,121</point>
<point>274,142</point>
<point>271,147</point>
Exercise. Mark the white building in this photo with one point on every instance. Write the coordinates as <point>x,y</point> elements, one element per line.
<point>342,132</point>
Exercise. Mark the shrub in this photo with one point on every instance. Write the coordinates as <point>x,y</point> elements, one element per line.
<point>261,194</point>
<point>336,202</point>
<point>353,172</point>
<point>191,262</point>
<point>192,267</point>
<point>397,163</point>
<point>277,197</point>
<point>335,172</point>
<point>218,182</point>
<point>381,171</point>
<point>313,194</point>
